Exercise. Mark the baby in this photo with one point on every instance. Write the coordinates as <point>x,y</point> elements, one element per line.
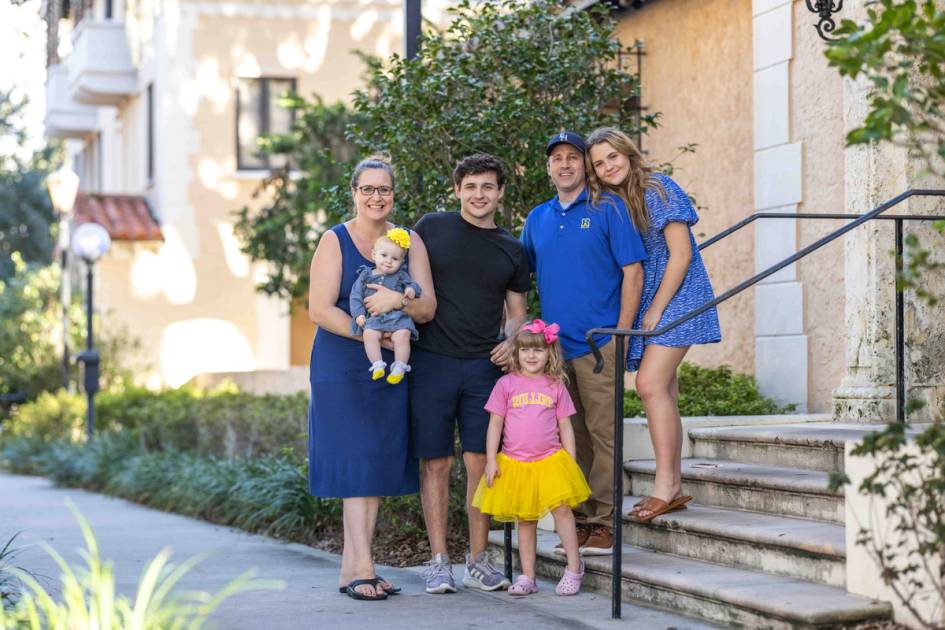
<point>389,254</point>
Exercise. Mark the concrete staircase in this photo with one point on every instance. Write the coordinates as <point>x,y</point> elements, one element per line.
<point>761,546</point>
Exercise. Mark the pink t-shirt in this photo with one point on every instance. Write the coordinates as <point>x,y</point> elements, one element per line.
<point>532,407</point>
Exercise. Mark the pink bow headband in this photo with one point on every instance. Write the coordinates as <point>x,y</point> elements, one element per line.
<point>537,326</point>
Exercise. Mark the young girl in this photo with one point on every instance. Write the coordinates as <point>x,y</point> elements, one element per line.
<point>389,253</point>
<point>535,473</point>
<point>674,283</point>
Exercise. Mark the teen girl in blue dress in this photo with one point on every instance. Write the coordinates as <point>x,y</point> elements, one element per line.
<point>675,282</point>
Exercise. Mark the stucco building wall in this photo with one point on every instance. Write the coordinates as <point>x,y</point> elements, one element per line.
<point>816,119</point>
<point>697,72</point>
<point>192,298</point>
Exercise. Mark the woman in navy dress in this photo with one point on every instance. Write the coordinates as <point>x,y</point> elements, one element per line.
<point>675,282</point>
<point>358,428</point>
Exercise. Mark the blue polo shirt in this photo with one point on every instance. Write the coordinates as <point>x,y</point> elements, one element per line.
<point>578,254</point>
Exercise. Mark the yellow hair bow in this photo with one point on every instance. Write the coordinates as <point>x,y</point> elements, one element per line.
<point>400,236</point>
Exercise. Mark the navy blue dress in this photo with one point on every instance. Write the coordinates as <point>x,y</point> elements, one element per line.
<point>357,428</point>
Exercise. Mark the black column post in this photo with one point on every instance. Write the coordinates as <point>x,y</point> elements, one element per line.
<point>66,358</point>
<point>90,358</point>
<point>412,21</point>
<point>507,547</point>
<point>900,332</point>
<point>617,567</point>
<point>89,279</point>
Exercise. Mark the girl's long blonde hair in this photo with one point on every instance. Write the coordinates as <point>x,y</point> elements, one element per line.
<point>555,366</point>
<point>633,190</point>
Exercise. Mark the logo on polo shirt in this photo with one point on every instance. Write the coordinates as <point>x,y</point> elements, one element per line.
<point>585,223</point>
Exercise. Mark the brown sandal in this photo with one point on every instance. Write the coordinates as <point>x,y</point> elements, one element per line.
<point>656,506</point>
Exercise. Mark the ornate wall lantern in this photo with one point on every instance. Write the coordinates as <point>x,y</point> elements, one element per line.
<point>825,9</point>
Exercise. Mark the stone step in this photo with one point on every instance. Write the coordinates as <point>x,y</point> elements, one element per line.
<point>720,594</point>
<point>779,545</point>
<point>811,446</point>
<point>636,431</point>
<point>752,487</point>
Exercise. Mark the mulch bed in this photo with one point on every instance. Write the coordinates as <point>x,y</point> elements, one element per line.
<point>399,549</point>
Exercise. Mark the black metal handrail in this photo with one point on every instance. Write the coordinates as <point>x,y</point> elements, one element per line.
<point>620,333</point>
<point>801,215</point>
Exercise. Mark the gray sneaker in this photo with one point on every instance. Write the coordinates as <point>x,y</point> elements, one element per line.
<point>439,575</point>
<point>484,575</point>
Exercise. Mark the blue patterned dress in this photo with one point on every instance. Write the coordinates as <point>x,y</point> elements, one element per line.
<point>695,289</point>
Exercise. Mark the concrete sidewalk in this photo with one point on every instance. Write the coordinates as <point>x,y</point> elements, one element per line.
<point>131,535</point>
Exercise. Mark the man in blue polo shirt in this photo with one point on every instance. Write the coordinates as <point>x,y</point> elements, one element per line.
<point>587,263</point>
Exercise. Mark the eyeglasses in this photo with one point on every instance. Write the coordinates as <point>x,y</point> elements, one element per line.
<point>368,191</point>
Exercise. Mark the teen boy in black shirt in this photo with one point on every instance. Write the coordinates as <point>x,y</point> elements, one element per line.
<point>478,269</point>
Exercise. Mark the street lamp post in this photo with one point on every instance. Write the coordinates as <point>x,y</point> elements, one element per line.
<point>90,242</point>
<point>63,186</point>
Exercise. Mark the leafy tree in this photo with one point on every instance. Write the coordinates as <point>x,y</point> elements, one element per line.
<point>26,215</point>
<point>286,230</point>
<point>900,51</point>
<point>500,79</point>
<point>28,356</point>
<point>31,333</point>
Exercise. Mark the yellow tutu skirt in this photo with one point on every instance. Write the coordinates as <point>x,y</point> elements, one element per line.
<point>529,490</point>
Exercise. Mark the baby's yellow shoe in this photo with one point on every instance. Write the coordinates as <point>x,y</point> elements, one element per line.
<point>377,370</point>
<point>397,371</point>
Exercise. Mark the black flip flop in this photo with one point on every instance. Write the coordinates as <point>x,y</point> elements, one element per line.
<point>390,591</point>
<point>353,594</point>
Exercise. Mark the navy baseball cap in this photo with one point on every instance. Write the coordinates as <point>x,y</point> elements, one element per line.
<point>566,137</point>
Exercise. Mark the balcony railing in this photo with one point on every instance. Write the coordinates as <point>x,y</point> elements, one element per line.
<point>65,118</point>
<point>101,71</point>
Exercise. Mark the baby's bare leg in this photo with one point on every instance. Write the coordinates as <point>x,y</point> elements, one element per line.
<point>372,345</point>
<point>401,339</point>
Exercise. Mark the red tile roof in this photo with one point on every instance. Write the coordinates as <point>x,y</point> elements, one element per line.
<point>125,217</point>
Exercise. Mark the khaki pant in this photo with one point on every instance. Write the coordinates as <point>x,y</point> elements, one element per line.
<point>593,396</point>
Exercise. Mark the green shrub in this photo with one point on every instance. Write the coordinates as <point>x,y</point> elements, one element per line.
<point>225,423</point>
<point>19,454</point>
<point>52,415</point>
<point>713,392</point>
<point>268,495</point>
<point>226,457</point>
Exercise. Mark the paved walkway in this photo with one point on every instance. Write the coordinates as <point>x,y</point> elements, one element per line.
<point>130,535</point>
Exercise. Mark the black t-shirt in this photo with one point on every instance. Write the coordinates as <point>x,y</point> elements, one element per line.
<point>472,268</point>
